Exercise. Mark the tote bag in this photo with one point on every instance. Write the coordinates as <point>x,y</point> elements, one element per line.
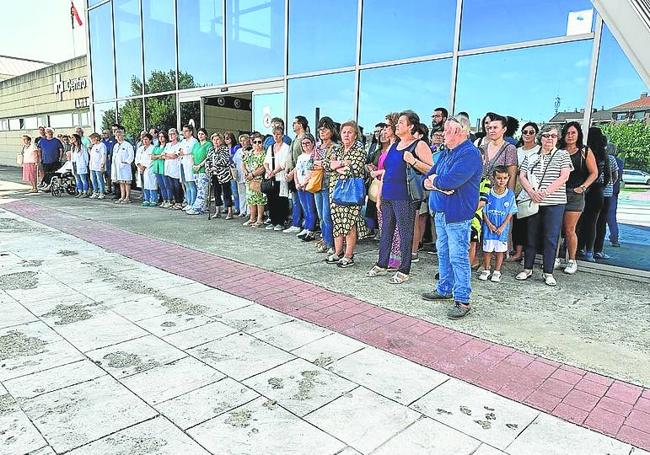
<point>350,191</point>
<point>315,182</point>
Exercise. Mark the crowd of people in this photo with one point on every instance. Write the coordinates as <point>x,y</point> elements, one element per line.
<point>548,192</point>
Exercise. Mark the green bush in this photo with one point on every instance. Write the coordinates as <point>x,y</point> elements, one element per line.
<point>633,142</point>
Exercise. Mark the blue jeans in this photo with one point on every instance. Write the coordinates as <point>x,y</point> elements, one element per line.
<point>82,182</point>
<point>308,206</point>
<point>98,181</point>
<point>190,192</point>
<point>296,210</point>
<point>235,194</point>
<point>151,196</point>
<point>548,221</point>
<point>453,258</point>
<point>612,224</point>
<point>165,191</point>
<point>322,199</point>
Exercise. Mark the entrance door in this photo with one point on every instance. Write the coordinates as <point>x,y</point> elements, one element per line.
<point>266,105</point>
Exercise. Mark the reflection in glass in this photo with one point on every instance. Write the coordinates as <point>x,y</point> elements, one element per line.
<point>130,117</point>
<point>255,34</point>
<point>516,83</point>
<point>94,2</point>
<point>332,93</point>
<point>159,44</point>
<point>512,21</point>
<point>387,34</point>
<point>420,87</point>
<point>191,114</point>
<point>101,52</point>
<point>326,43</point>
<point>200,41</point>
<point>128,47</point>
<point>104,116</point>
<point>265,107</point>
<point>160,112</point>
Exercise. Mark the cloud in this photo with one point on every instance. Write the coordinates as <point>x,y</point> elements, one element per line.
<point>582,63</point>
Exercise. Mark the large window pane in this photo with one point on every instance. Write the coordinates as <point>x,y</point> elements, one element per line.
<point>128,47</point>
<point>191,114</point>
<point>200,43</point>
<point>486,23</point>
<point>104,115</point>
<point>333,94</point>
<point>392,89</point>
<point>159,44</point>
<point>325,43</point>
<point>101,52</point>
<point>518,83</point>
<point>394,30</point>
<point>255,34</point>
<point>160,112</point>
<point>94,2</point>
<point>265,107</point>
<point>130,117</point>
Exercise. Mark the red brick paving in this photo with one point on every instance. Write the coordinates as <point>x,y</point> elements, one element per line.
<point>609,406</point>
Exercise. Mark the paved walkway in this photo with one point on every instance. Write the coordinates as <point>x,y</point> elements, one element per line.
<point>246,376</point>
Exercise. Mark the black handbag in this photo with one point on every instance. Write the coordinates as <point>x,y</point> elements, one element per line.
<point>268,186</point>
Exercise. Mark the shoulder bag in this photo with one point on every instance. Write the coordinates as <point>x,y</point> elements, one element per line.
<point>373,189</point>
<point>526,206</point>
<point>414,179</point>
<point>268,185</point>
<point>349,191</point>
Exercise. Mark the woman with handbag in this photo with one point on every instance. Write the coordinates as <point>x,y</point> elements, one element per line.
<point>218,167</point>
<point>253,165</point>
<point>348,189</point>
<point>200,152</point>
<point>396,202</point>
<point>543,177</point>
<point>301,174</point>
<point>328,148</point>
<point>276,186</point>
<point>29,161</point>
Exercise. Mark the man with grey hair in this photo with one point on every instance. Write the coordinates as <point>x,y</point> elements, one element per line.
<point>454,183</point>
<point>51,154</point>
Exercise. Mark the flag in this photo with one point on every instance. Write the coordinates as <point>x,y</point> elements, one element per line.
<point>74,14</point>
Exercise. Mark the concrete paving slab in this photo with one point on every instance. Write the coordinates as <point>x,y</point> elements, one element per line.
<point>252,319</point>
<point>13,313</point>
<point>205,403</point>
<point>156,436</point>
<point>82,413</point>
<point>170,323</point>
<point>240,355</point>
<point>261,428</point>
<point>171,380</point>
<point>548,435</point>
<point>43,451</point>
<point>17,434</point>
<point>363,419</point>
<point>142,307</point>
<point>292,335</point>
<point>488,450</point>
<point>329,349</point>
<point>199,335</point>
<point>219,302</point>
<point>135,356</point>
<point>479,413</point>
<point>425,437</point>
<point>300,386</point>
<point>388,375</point>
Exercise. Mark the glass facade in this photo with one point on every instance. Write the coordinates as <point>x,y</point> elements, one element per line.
<point>101,52</point>
<point>159,33</point>
<point>128,47</point>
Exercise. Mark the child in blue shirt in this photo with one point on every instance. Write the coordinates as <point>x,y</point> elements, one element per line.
<point>497,214</point>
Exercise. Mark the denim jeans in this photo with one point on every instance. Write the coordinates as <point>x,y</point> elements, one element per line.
<point>98,181</point>
<point>548,221</point>
<point>150,196</point>
<point>235,194</point>
<point>190,192</point>
<point>453,258</point>
<point>296,210</point>
<point>308,207</point>
<point>612,224</point>
<point>175,189</point>
<point>82,182</point>
<point>322,199</point>
<point>165,192</point>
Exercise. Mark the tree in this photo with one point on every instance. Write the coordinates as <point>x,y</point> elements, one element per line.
<point>633,142</point>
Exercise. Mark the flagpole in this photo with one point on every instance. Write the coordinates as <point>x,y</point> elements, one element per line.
<point>74,49</point>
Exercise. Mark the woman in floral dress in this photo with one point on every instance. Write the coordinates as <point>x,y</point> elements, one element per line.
<point>253,172</point>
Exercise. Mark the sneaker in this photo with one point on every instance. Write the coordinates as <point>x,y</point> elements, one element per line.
<point>496,276</point>
<point>300,234</point>
<point>601,255</point>
<point>571,267</point>
<point>278,227</point>
<point>615,244</point>
<point>549,279</point>
<point>267,221</point>
<point>193,212</point>
<point>101,196</point>
<point>145,203</point>
<point>309,237</point>
<point>459,310</point>
<point>415,257</point>
<point>589,257</point>
<point>333,258</point>
<point>94,196</point>
<point>269,227</point>
<point>77,196</point>
<point>558,263</point>
<point>485,274</point>
<point>524,274</point>
<point>435,296</point>
<point>293,230</point>
<point>178,206</point>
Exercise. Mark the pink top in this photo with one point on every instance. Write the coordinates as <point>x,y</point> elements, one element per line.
<point>29,154</point>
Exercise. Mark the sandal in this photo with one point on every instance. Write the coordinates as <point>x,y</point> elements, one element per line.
<point>345,262</point>
<point>376,271</point>
<point>398,278</point>
<point>333,258</point>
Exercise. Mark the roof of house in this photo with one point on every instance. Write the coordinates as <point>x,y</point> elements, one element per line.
<point>14,66</point>
<point>642,102</point>
<point>597,116</point>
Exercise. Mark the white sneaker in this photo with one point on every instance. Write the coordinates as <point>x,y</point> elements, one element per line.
<point>571,267</point>
<point>485,274</point>
<point>101,196</point>
<point>557,264</point>
<point>269,227</point>
<point>301,233</point>
<point>293,230</point>
<point>549,279</point>
<point>279,227</point>
<point>496,276</point>
<point>524,274</point>
<point>93,196</point>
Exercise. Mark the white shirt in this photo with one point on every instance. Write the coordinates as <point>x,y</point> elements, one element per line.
<point>173,167</point>
<point>280,159</point>
<point>122,159</point>
<point>186,146</point>
<point>98,157</point>
<point>80,159</point>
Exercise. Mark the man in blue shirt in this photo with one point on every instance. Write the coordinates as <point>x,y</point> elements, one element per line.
<point>454,183</point>
<point>51,150</point>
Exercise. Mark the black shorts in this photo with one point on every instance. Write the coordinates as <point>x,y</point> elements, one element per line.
<point>474,235</point>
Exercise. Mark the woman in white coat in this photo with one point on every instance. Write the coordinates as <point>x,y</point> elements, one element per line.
<point>121,167</point>
<point>187,163</point>
<point>80,158</point>
<point>173,169</point>
<point>143,162</point>
<point>97,165</point>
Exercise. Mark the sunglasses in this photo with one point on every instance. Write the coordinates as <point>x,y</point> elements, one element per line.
<point>549,136</point>
<point>257,142</point>
<point>528,132</point>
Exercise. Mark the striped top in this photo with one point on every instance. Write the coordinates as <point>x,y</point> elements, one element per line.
<point>553,163</point>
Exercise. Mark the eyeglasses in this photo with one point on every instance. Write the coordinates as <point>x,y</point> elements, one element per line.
<point>528,132</point>
<point>549,136</point>
<point>257,142</point>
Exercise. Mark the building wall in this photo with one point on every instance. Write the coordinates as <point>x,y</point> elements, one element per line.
<point>33,95</point>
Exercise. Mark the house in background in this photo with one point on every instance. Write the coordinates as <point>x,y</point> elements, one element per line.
<point>598,117</point>
<point>14,66</point>
<point>638,109</point>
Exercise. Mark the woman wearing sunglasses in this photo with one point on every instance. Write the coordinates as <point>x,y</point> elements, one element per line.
<point>253,165</point>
